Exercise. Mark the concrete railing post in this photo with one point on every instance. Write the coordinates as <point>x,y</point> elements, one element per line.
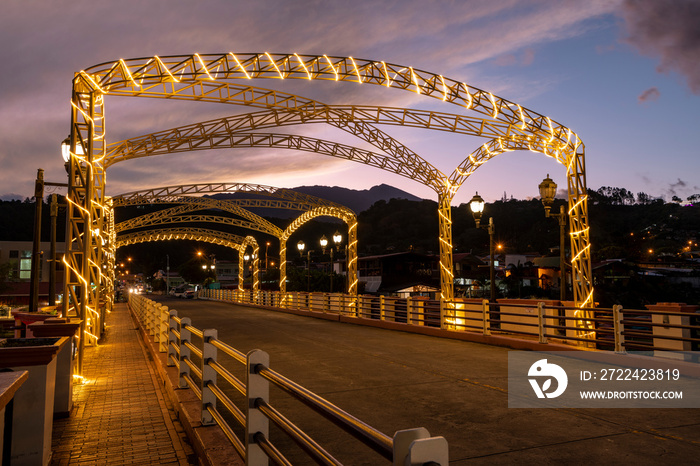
<point>540,323</point>
<point>619,328</point>
<point>486,315</point>
<point>415,447</point>
<point>158,311</point>
<point>185,336</point>
<point>443,314</point>
<point>382,308</point>
<point>148,318</point>
<point>257,387</point>
<point>164,329</point>
<point>172,340</point>
<point>208,375</point>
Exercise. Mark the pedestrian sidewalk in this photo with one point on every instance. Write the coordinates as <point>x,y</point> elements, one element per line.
<point>121,414</point>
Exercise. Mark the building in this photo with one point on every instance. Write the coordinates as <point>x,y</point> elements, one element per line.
<point>400,274</point>
<point>18,254</point>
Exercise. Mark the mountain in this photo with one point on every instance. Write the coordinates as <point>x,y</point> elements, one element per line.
<point>356,200</point>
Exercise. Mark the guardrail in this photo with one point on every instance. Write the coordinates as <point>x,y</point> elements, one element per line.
<point>200,371</point>
<point>615,329</point>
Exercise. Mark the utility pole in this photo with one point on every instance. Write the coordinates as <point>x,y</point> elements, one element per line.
<point>36,259</point>
<point>52,269</point>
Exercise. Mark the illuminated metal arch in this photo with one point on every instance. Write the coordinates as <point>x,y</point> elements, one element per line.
<point>229,240</point>
<point>209,134</point>
<point>290,200</point>
<point>204,77</point>
<point>166,215</point>
<point>194,234</point>
<point>174,194</point>
<point>578,205</point>
<point>353,119</point>
<point>343,213</point>
<point>218,220</point>
<point>424,172</point>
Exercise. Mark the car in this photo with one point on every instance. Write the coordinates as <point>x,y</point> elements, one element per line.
<point>178,292</point>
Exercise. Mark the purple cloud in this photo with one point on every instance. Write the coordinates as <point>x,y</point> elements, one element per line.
<point>649,95</point>
<point>667,29</point>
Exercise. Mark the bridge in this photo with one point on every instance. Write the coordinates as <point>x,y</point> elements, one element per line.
<point>414,379</point>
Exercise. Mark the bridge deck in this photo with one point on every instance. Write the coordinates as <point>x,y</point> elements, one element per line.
<point>391,380</point>
<point>120,416</point>
<point>394,380</point>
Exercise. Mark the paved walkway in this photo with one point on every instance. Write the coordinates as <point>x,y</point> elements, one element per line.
<point>120,415</point>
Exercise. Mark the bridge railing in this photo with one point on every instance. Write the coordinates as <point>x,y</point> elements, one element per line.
<point>200,369</point>
<point>664,328</point>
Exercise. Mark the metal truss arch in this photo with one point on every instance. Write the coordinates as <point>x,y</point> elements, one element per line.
<point>344,214</point>
<point>577,201</point>
<point>177,193</point>
<point>428,176</point>
<point>165,216</point>
<point>220,238</point>
<point>312,206</point>
<point>207,77</point>
<point>193,234</point>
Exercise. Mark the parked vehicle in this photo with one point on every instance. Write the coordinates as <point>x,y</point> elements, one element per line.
<point>178,292</point>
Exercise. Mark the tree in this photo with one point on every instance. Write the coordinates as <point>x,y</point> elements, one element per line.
<point>643,198</point>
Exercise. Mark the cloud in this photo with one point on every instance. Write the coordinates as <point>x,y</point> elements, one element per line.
<point>42,45</point>
<point>667,29</point>
<point>649,95</point>
<point>673,188</point>
<point>528,56</point>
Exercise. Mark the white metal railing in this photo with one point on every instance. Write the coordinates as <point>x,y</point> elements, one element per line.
<point>200,371</point>
<point>615,329</point>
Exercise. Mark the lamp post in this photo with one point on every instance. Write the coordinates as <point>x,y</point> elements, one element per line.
<point>337,239</point>
<point>300,247</point>
<point>324,243</point>
<point>476,205</point>
<point>210,266</point>
<point>548,189</point>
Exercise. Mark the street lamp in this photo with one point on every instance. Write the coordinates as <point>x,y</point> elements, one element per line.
<point>548,189</point>
<point>337,239</point>
<point>300,248</point>
<point>476,205</point>
<point>324,243</point>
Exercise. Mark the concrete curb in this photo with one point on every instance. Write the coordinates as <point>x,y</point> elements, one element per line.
<point>209,442</point>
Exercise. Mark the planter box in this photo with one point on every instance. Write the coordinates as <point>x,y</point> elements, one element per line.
<point>60,327</point>
<point>34,402</point>
<point>28,318</point>
<point>9,384</point>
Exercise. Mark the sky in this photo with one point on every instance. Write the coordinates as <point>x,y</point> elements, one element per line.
<point>623,74</point>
